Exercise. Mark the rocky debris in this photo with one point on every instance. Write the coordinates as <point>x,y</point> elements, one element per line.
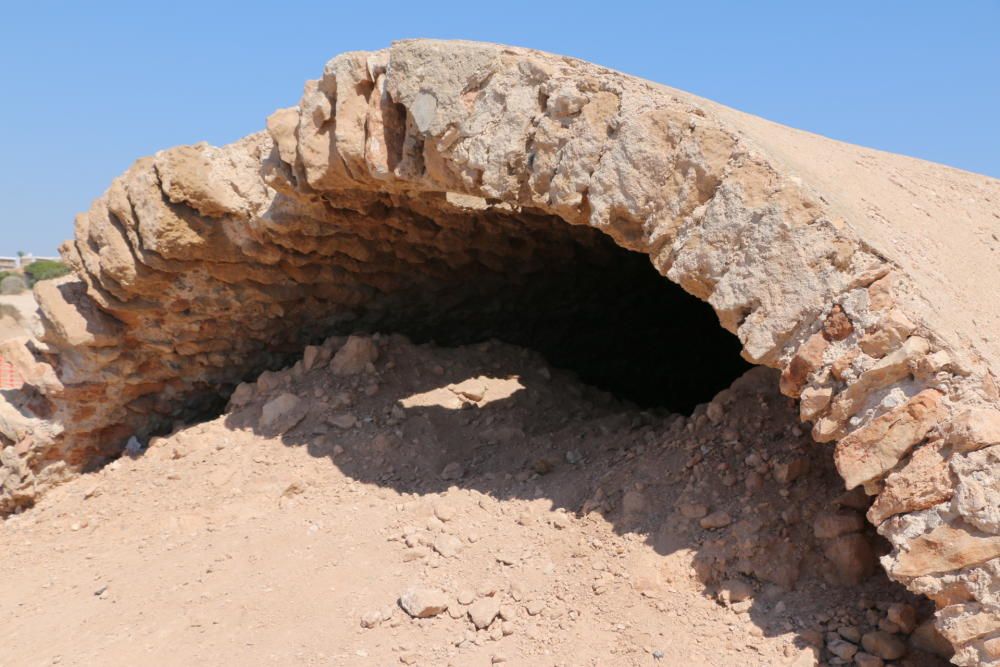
<point>715,520</point>
<point>586,561</point>
<point>356,356</point>
<point>484,611</point>
<point>202,266</point>
<point>883,645</point>
<point>423,602</point>
<point>862,659</point>
<point>282,413</point>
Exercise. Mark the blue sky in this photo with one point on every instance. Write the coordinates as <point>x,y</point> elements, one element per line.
<point>88,87</point>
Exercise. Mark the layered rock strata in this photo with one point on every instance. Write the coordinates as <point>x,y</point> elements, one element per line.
<point>408,176</point>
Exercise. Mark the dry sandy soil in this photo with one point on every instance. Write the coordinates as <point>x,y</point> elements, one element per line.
<point>572,528</point>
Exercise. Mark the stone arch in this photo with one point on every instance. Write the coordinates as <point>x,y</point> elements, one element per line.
<point>401,167</point>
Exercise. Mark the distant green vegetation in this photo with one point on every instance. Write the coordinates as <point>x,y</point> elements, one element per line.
<point>45,269</point>
<point>4,274</point>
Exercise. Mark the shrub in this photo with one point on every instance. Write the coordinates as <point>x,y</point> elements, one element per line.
<point>45,269</point>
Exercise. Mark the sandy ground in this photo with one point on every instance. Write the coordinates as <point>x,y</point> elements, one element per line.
<point>573,529</point>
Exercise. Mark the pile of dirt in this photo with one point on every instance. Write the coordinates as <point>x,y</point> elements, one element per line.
<point>386,503</point>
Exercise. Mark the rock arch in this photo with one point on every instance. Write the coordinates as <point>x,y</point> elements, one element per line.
<point>435,163</point>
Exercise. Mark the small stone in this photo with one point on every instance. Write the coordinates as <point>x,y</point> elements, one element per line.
<point>715,520</point>
<point>862,659</point>
<point>834,524</point>
<point>453,470</point>
<point>926,637</point>
<point>447,545</point>
<point>850,632</point>
<point>423,602</point>
<point>282,413</point>
<point>574,457</point>
<point>355,356</point>
<point>371,619</point>
<point>736,590</point>
<point>310,356</point>
<point>883,645</point>
<point>837,326</point>
<point>343,420</point>
<point>542,466</point>
<point>786,473</point>
<point>466,596</point>
<point>444,511</point>
<point>812,637</point>
<point>483,611</point>
<point>693,510</point>
<point>903,615</point>
<point>852,556</point>
<point>842,649</point>
<point>888,626</point>
<point>534,607</point>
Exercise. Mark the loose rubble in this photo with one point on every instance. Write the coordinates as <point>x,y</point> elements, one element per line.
<point>275,530</point>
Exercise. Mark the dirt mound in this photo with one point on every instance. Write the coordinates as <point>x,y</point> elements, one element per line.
<point>532,519</point>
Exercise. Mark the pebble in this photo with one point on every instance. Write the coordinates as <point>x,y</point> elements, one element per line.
<point>862,659</point>
<point>903,615</point>
<point>355,356</point>
<point>534,607</point>
<point>842,649</point>
<point>423,602</point>
<point>850,633</point>
<point>715,520</point>
<point>453,470</point>
<point>448,545</point>
<point>484,611</point>
<point>693,510</point>
<point>883,645</point>
<point>444,511</point>
<point>736,590</point>
<point>371,619</point>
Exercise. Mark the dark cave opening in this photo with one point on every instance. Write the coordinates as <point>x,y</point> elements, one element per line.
<point>605,314</point>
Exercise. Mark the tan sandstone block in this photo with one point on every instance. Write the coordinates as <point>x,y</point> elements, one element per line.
<point>923,482</point>
<point>73,319</point>
<point>945,549</point>
<point>807,359</point>
<point>813,402</point>
<point>974,429</point>
<point>891,332</point>
<point>962,623</point>
<point>887,371</point>
<point>872,450</point>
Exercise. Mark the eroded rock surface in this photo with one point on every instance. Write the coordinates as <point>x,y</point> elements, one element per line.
<point>414,174</point>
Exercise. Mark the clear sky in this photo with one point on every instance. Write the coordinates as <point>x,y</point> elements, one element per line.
<point>88,87</point>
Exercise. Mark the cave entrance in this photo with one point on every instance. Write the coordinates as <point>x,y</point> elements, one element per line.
<point>593,308</point>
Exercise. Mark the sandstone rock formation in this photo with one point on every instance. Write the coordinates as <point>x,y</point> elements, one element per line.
<point>412,178</point>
